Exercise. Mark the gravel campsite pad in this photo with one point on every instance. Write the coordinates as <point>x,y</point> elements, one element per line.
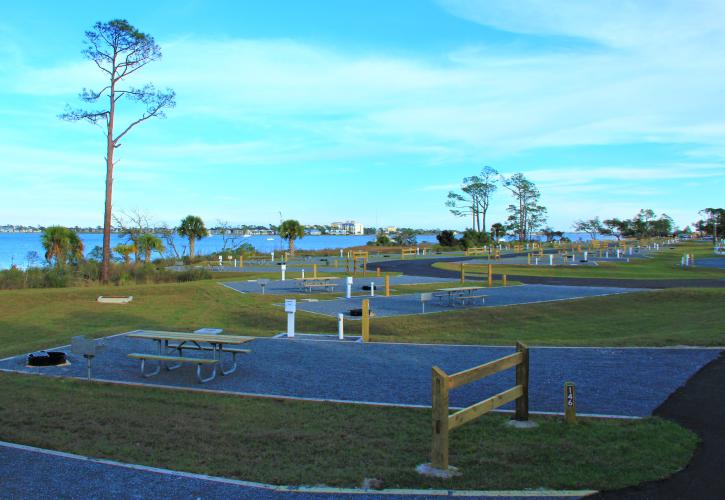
<point>292,286</point>
<point>499,296</point>
<point>626,382</point>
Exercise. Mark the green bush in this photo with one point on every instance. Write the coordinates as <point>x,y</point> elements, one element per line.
<point>195,274</point>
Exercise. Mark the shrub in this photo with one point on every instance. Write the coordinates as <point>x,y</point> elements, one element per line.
<point>195,274</point>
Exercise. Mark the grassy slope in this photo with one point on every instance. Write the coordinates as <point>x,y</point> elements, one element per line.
<point>35,319</point>
<point>665,265</point>
<point>263,440</point>
<point>305,443</point>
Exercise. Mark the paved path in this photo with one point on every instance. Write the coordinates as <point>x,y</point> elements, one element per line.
<point>698,405</point>
<point>626,382</point>
<point>424,267</point>
<point>27,472</point>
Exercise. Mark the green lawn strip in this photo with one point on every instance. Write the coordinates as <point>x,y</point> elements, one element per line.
<point>663,265</point>
<point>37,319</point>
<point>658,318</point>
<point>40,318</point>
<point>304,443</point>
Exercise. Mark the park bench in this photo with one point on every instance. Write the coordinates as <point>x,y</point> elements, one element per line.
<point>463,298</point>
<point>231,350</point>
<point>178,360</point>
<point>310,286</point>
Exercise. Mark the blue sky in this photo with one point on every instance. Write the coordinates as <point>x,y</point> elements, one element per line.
<point>328,110</point>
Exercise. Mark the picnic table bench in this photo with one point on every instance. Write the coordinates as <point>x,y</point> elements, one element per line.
<point>460,294</point>
<point>216,344</point>
<point>308,284</point>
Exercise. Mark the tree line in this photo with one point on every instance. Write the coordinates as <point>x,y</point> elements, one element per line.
<point>473,199</point>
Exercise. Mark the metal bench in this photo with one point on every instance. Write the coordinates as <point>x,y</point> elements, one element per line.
<point>178,360</point>
<point>310,286</point>
<point>472,298</point>
<point>194,347</point>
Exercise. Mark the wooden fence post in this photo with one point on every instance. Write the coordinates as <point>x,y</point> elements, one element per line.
<point>439,458</point>
<point>314,270</point>
<point>377,272</point>
<point>490,275</point>
<point>463,273</point>
<point>504,280</point>
<point>522,379</point>
<point>387,285</point>
<point>365,320</point>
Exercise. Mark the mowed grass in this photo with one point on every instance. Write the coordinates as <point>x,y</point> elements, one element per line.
<point>662,265</point>
<point>679,316</point>
<point>35,319</point>
<point>38,319</point>
<point>300,443</point>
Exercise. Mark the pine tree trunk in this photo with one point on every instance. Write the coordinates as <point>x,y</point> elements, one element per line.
<point>108,210</point>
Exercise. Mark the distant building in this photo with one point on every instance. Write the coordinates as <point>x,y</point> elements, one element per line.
<point>347,227</point>
<point>390,230</point>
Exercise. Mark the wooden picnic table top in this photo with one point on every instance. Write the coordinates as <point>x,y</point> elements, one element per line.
<point>460,289</point>
<point>191,337</point>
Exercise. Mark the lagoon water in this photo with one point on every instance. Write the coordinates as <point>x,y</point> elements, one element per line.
<point>14,247</point>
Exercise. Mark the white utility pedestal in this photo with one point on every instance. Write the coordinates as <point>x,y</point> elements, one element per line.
<point>290,307</point>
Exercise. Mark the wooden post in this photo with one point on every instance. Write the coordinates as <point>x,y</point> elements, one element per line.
<point>528,255</point>
<point>463,273</point>
<point>490,275</point>
<point>522,379</point>
<point>365,266</point>
<point>366,320</point>
<point>570,403</point>
<point>387,285</point>
<point>314,270</point>
<point>241,260</point>
<point>439,455</point>
<point>377,272</point>
<point>504,280</point>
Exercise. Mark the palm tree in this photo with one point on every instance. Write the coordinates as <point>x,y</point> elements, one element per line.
<point>125,251</point>
<point>192,227</point>
<point>61,244</point>
<point>148,243</point>
<point>291,230</point>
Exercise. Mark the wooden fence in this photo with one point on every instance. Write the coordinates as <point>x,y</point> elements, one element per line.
<point>408,252</point>
<point>443,423</point>
<point>477,251</point>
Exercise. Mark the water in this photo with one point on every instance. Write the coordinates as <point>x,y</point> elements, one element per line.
<point>14,247</point>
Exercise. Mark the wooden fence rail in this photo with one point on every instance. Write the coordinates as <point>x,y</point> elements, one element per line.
<point>442,383</point>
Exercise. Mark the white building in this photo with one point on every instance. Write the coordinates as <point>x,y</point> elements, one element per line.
<point>347,227</point>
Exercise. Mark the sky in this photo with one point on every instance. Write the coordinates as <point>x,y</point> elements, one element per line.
<point>372,110</point>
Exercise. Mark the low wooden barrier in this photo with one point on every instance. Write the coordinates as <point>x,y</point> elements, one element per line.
<point>443,423</point>
<point>361,256</point>
<point>476,251</point>
<point>407,252</point>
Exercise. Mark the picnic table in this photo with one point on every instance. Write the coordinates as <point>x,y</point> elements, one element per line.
<point>308,284</point>
<point>170,343</point>
<point>460,294</point>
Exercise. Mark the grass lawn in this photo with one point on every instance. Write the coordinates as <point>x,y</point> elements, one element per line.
<point>663,265</point>
<point>41,318</point>
<point>303,443</point>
